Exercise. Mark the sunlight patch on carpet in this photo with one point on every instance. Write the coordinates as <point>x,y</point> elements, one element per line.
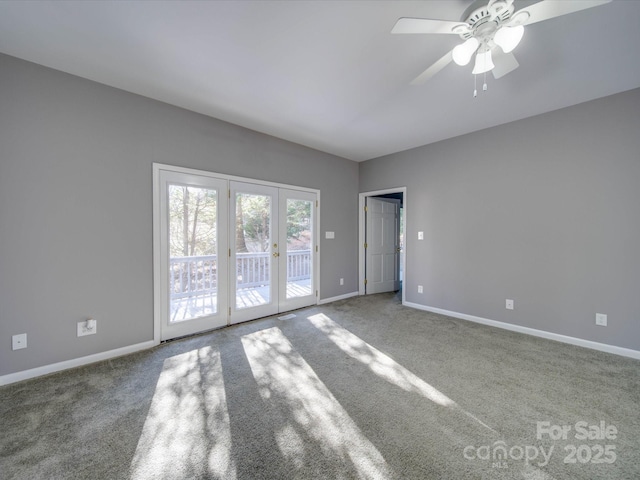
<point>379,363</point>
<point>287,382</point>
<point>187,430</point>
<point>382,365</point>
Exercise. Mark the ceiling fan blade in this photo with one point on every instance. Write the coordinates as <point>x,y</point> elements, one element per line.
<point>504,63</point>
<point>432,70</point>
<point>426,25</point>
<point>547,9</point>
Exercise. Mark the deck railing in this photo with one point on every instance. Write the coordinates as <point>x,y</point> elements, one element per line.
<point>198,275</point>
<point>252,269</point>
<point>298,264</point>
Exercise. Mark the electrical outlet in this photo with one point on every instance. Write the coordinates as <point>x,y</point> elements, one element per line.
<point>419,288</point>
<point>601,319</point>
<point>87,327</point>
<point>509,304</point>
<point>19,342</point>
<point>342,281</point>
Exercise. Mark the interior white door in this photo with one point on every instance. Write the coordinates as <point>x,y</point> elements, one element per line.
<point>382,264</point>
<point>297,259</point>
<point>254,250</point>
<point>193,260</point>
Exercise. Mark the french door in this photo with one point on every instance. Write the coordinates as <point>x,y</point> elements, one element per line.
<point>297,249</point>
<point>193,262</point>
<point>229,251</point>
<point>272,249</point>
<point>254,251</point>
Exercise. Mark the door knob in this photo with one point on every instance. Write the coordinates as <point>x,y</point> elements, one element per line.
<point>276,254</point>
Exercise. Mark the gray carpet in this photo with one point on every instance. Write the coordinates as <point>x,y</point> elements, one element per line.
<point>361,388</point>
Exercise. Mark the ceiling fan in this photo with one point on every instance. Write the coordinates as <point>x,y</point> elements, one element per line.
<point>491,30</point>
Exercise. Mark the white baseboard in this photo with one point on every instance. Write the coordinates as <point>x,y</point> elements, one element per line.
<point>339,297</point>
<point>74,362</point>
<point>97,357</point>
<point>603,347</point>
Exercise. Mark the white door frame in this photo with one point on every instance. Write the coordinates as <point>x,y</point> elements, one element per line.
<point>157,230</point>
<point>362,235</point>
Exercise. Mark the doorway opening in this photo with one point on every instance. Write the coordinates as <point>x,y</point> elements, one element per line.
<point>229,249</point>
<point>382,223</point>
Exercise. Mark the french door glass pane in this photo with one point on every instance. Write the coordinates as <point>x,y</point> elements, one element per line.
<point>299,244</point>
<point>193,269</point>
<point>253,250</point>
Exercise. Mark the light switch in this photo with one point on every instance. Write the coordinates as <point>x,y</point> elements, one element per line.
<point>329,235</point>
<point>19,341</point>
<point>601,319</point>
<point>420,235</point>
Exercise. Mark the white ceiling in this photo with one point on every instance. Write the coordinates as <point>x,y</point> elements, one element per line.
<point>326,74</point>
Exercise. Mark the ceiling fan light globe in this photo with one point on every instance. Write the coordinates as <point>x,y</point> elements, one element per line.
<point>462,53</point>
<point>484,63</point>
<point>508,38</point>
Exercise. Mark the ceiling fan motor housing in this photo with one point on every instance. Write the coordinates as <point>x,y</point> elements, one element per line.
<point>484,20</point>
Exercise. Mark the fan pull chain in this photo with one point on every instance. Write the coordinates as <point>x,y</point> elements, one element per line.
<point>475,84</point>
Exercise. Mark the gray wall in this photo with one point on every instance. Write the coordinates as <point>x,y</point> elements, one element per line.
<point>76,206</point>
<point>545,211</point>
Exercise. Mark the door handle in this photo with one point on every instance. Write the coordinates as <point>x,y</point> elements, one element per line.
<point>276,254</point>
